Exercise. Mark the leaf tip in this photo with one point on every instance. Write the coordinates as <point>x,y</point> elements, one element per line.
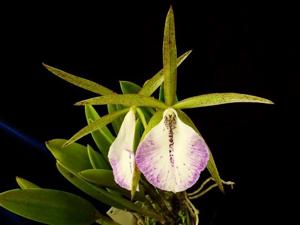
<point>18,179</point>
<point>80,103</point>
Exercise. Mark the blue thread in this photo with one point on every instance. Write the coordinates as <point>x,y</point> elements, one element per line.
<point>23,137</point>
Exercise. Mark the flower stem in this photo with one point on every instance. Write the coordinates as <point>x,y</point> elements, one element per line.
<point>169,216</point>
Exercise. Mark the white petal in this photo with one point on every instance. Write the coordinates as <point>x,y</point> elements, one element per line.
<point>121,155</point>
<point>172,155</point>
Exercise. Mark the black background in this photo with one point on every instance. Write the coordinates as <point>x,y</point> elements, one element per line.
<point>236,48</point>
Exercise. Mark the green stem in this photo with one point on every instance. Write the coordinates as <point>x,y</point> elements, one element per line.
<point>170,217</point>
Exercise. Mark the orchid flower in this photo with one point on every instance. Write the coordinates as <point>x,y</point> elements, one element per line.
<point>171,156</point>
<point>121,152</point>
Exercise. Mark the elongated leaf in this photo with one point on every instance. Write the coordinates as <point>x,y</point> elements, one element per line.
<point>100,177</point>
<point>161,95</point>
<point>100,194</point>
<point>24,184</point>
<point>95,192</point>
<point>211,165</point>
<point>97,124</point>
<point>116,124</point>
<point>169,59</point>
<point>153,83</point>
<point>102,137</point>
<point>97,161</point>
<point>144,113</point>
<point>105,178</point>
<point>129,87</point>
<point>74,156</point>
<point>80,82</point>
<point>124,99</point>
<point>213,170</point>
<point>142,117</point>
<point>49,206</point>
<point>218,99</point>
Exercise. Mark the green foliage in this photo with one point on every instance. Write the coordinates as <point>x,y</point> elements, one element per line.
<point>73,156</point>
<point>124,99</point>
<point>97,161</point>
<point>169,59</point>
<point>49,206</point>
<point>129,87</point>
<point>25,184</point>
<point>80,82</point>
<point>102,137</point>
<point>218,99</point>
<point>156,81</point>
<point>97,124</point>
<point>100,177</point>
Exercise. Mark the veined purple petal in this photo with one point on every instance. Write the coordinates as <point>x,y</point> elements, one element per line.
<point>121,155</point>
<point>172,155</point>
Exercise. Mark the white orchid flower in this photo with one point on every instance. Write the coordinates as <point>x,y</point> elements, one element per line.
<point>121,153</point>
<point>172,155</point>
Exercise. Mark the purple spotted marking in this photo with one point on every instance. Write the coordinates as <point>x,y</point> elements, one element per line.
<point>170,123</point>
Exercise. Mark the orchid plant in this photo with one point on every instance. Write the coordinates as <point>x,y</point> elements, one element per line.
<point>145,169</point>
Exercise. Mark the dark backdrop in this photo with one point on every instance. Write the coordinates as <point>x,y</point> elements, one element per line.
<point>236,48</point>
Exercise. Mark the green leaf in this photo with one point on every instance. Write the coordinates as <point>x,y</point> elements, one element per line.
<point>100,194</point>
<point>144,113</point>
<point>80,82</point>
<point>97,161</point>
<point>102,137</point>
<point>116,124</point>
<point>161,95</point>
<point>24,184</point>
<point>211,165</point>
<point>104,178</point>
<point>213,170</point>
<point>218,99</point>
<point>74,156</point>
<point>141,114</point>
<point>153,83</point>
<point>100,177</point>
<point>129,87</point>
<point>124,99</point>
<point>49,206</point>
<point>95,192</point>
<point>97,124</point>
<point>170,59</point>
